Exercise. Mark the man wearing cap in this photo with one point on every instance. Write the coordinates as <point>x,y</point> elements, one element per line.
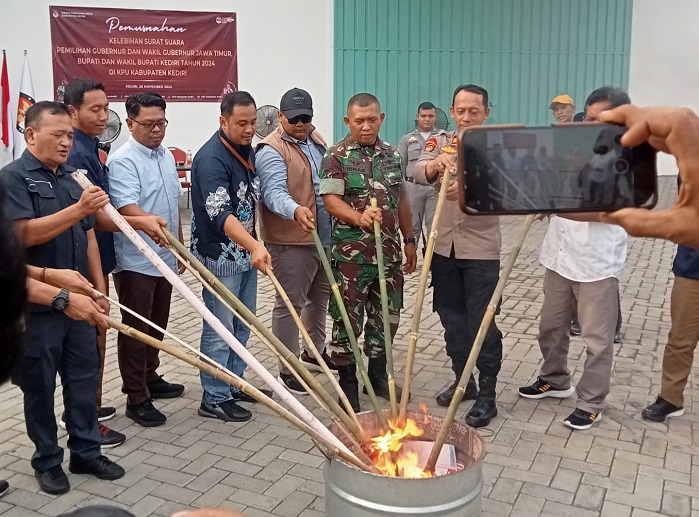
<point>287,163</point>
<point>563,108</point>
<point>423,198</point>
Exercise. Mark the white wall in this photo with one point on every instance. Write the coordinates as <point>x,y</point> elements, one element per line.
<point>281,45</point>
<point>664,65</point>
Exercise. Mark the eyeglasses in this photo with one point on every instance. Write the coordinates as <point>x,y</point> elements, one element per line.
<point>302,118</point>
<point>149,126</point>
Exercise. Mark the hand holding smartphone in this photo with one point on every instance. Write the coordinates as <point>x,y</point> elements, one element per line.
<point>554,169</point>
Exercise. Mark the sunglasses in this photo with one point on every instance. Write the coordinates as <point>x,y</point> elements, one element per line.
<point>301,118</point>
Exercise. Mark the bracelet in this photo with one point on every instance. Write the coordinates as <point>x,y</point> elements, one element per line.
<point>409,240</point>
<point>42,275</point>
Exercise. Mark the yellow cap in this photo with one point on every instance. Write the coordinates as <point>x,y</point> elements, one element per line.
<point>561,99</point>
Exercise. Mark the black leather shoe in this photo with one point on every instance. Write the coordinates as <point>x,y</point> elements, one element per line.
<point>379,379</point>
<point>53,481</point>
<point>101,467</point>
<point>161,389</point>
<point>661,409</point>
<point>239,396</point>
<point>349,384</point>
<point>4,487</point>
<point>484,409</point>
<point>145,414</point>
<point>444,398</point>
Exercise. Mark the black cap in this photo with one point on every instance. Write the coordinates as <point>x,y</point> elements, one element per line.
<point>296,102</point>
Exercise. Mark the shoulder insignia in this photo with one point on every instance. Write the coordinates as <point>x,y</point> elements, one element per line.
<point>431,145</point>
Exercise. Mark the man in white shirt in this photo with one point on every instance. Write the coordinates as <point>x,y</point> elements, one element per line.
<point>584,260</point>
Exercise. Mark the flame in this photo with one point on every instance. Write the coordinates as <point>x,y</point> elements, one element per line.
<point>385,451</point>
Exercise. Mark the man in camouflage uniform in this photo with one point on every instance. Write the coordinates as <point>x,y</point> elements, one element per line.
<point>465,265</point>
<point>355,170</point>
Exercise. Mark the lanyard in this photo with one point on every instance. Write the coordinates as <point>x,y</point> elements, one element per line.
<point>247,164</point>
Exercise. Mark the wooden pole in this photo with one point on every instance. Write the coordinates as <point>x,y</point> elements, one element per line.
<point>350,333</point>
<point>246,315</point>
<point>385,315</point>
<point>420,300</point>
<point>213,368</point>
<point>478,342</point>
<point>172,277</point>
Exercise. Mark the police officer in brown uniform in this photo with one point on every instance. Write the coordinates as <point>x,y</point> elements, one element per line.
<point>466,263</point>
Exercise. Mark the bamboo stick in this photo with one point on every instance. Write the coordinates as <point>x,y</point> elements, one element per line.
<point>420,300</point>
<point>350,333</point>
<point>385,316</point>
<point>250,327</point>
<point>265,341</point>
<point>211,367</point>
<point>312,347</point>
<point>216,325</point>
<point>248,315</point>
<point>206,358</point>
<point>478,342</point>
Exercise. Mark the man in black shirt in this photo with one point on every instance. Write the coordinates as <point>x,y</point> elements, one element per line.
<point>89,110</point>
<point>54,221</point>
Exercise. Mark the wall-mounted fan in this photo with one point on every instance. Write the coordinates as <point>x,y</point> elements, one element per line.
<point>112,129</point>
<point>441,122</point>
<point>267,120</point>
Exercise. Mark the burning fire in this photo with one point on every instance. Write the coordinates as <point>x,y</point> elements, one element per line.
<point>385,450</point>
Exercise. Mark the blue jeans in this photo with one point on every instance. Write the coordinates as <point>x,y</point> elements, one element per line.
<point>244,287</point>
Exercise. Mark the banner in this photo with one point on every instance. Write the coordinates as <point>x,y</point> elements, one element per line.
<point>26,99</point>
<point>183,56</point>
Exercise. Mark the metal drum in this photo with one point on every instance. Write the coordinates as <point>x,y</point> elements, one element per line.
<point>349,492</point>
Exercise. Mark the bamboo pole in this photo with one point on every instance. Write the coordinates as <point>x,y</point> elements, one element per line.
<point>249,316</point>
<point>385,316</point>
<point>478,342</point>
<point>211,367</point>
<point>206,358</point>
<point>350,333</point>
<point>312,347</point>
<point>80,177</point>
<point>420,300</point>
<point>335,417</point>
<point>250,327</point>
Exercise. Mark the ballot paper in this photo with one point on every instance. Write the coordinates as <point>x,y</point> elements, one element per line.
<point>446,463</point>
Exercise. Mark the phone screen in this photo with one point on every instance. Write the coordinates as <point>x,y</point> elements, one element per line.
<point>567,168</point>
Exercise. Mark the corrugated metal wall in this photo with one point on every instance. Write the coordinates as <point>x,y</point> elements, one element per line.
<point>524,52</point>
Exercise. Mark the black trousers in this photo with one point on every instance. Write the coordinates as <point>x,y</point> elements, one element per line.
<point>462,290</point>
<point>149,296</point>
<point>57,344</point>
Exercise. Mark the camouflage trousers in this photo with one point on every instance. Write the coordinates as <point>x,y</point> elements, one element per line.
<point>359,287</point>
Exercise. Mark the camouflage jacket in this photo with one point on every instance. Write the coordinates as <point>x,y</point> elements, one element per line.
<point>357,174</point>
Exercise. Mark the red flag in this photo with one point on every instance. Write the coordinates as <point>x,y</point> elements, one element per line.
<point>5,103</point>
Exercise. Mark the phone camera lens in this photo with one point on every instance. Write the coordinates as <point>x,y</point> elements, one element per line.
<point>621,166</point>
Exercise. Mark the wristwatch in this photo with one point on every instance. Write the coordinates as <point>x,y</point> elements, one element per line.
<point>409,240</point>
<point>60,301</point>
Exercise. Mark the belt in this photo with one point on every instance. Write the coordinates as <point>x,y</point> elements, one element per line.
<point>411,180</point>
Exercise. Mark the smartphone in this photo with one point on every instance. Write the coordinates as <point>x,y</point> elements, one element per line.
<point>560,168</point>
